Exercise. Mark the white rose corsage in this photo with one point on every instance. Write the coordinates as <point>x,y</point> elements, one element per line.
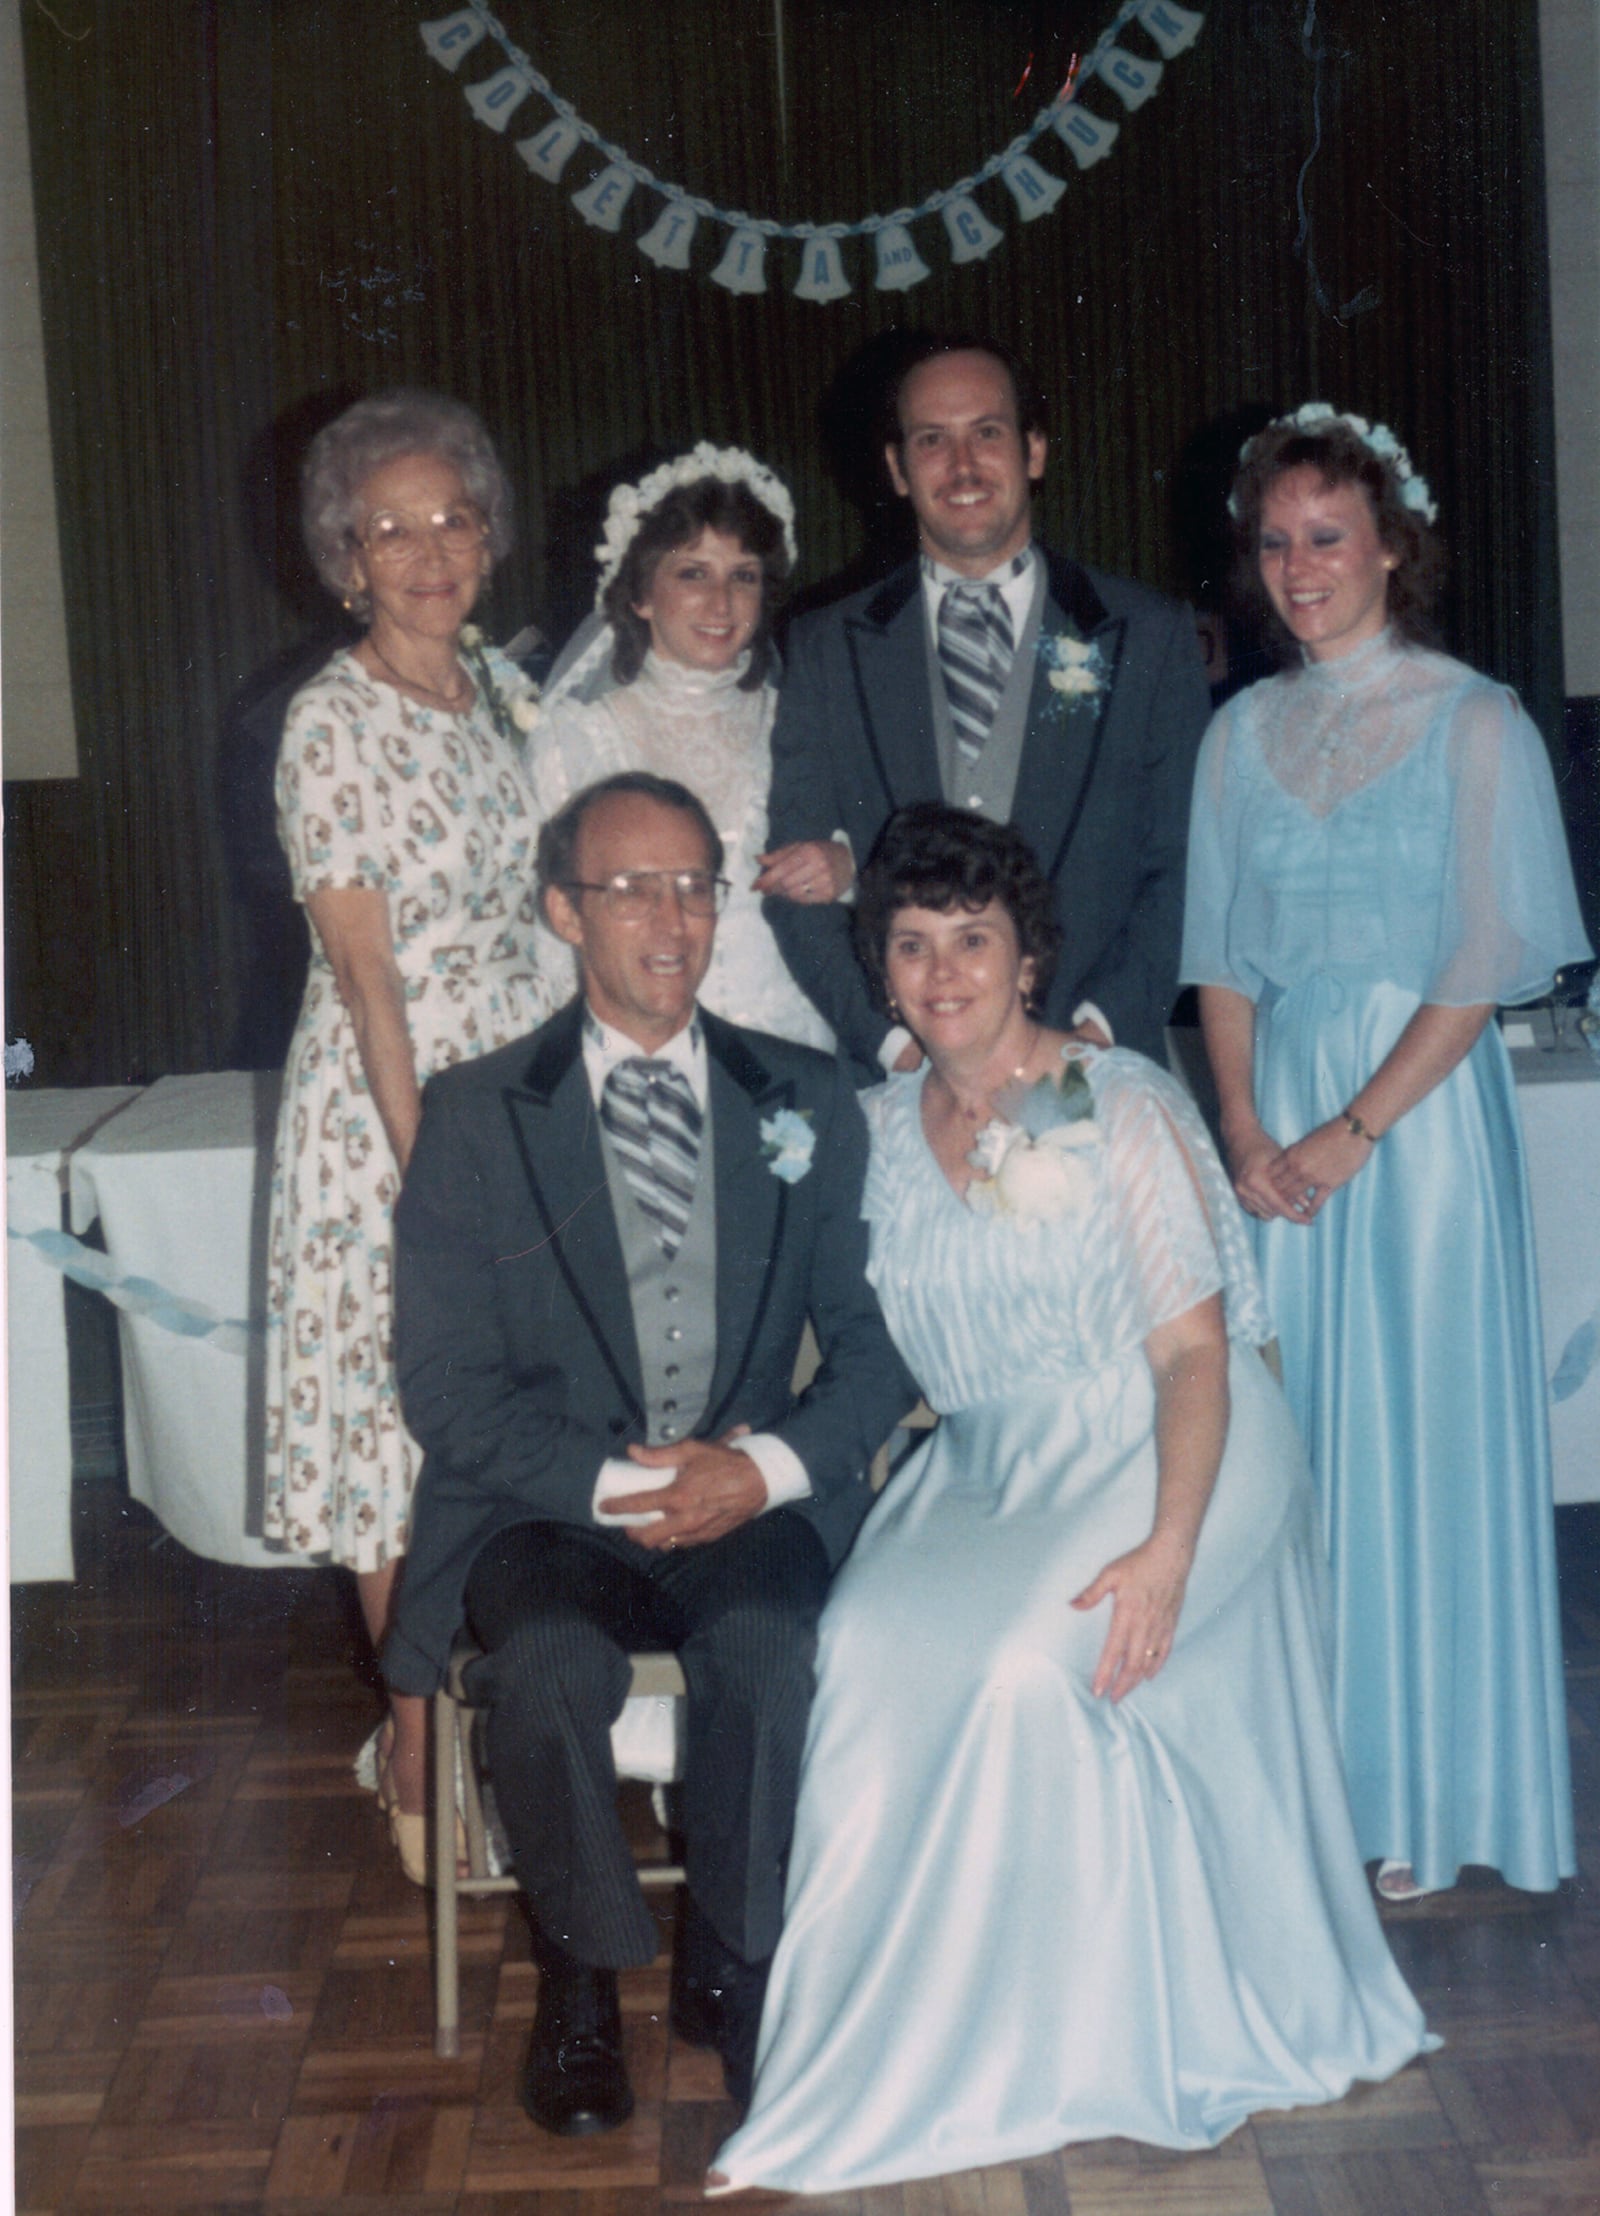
<point>1074,668</point>
<point>788,1143</point>
<point>1043,1167</point>
<point>516,705</point>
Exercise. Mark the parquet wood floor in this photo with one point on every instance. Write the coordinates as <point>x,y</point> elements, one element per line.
<point>223,1995</point>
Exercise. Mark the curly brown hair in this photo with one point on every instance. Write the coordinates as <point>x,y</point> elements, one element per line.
<point>677,519</point>
<point>932,856</point>
<point>1340,456</point>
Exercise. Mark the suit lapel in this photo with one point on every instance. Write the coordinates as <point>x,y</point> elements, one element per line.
<point>752,1205</point>
<point>1062,750</point>
<point>888,658</point>
<point>557,1133</point>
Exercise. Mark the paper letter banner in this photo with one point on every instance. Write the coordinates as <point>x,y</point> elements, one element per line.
<point>549,151</point>
<point>1131,79</point>
<point>493,100</point>
<point>1089,137</point>
<point>822,274</point>
<point>1034,189</point>
<point>740,268</point>
<point>668,239</point>
<point>825,271</point>
<point>602,202</point>
<point>899,264</point>
<point>452,36</point>
<point>1173,29</point>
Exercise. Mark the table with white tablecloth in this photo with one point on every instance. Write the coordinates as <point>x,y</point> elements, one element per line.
<point>178,1180</point>
<point>179,1184</point>
<point>42,1130</point>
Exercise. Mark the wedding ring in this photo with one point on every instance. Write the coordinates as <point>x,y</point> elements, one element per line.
<point>1310,1192</point>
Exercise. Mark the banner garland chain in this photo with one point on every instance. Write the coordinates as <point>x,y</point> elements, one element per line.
<point>601,202</point>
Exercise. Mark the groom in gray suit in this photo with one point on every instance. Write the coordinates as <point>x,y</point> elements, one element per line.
<point>999,676</point>
<point>610,1240</point>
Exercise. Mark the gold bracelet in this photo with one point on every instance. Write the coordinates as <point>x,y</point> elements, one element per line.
<point>1358,1130</point>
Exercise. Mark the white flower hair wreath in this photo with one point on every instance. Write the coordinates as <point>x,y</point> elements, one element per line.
<point>1317,415</point>
<point>630,504</point>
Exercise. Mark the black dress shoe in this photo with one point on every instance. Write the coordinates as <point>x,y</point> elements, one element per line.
<point>715,1998</point>
<point>573,2081</point>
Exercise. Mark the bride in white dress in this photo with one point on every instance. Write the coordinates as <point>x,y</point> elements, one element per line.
<point>675,680</point>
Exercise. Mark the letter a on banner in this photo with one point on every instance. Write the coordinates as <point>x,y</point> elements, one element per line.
<point>668,239</point>
<point>822,274</point>
<point>449,37</point>
<point>742,267</point>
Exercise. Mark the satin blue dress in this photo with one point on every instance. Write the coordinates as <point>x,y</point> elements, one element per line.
<point>1370,834</point>
<point>1019,1915</point>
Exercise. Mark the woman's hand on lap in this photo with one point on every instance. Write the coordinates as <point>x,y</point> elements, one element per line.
<point>1146,1589</point>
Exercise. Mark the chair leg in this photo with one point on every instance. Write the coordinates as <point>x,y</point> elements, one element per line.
<point>447,1961</point>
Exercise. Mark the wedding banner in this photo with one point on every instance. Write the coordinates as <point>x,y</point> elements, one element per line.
<point>742,267</point>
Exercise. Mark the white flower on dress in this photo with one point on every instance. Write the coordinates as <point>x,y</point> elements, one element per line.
<point>1044,1167</point>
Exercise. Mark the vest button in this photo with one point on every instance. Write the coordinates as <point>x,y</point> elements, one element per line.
<point>671,1370</point>
<point>669,1292</point>
<point>669,1431</point>
<point>669,1407</point>
<point>674,1331</point>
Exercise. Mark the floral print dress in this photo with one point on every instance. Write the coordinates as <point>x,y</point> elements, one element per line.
<point>436,811</point>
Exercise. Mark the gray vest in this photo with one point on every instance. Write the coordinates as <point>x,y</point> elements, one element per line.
<point>674,1303</point>
<point>988,785</point>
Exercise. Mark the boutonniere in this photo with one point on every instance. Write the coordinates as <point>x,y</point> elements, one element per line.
<point>1074,668</point>
<point>514,708</point>
<point>788,1143</point>
<point>1042,1167</point>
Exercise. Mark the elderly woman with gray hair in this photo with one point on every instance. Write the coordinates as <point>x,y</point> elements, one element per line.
<point>409,820</point>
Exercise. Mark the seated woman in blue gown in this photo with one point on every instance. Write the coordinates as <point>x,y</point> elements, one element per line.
<point>1376,859</point>
<point>1073,1856</point>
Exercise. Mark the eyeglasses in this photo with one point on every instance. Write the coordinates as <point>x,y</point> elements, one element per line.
<point>393,537</point>
<point>634,893</point>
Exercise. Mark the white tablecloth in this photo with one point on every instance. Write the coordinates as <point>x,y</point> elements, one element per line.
<point>1558,1093</point>
<point>179,1183</point>
<point>41,1131</point>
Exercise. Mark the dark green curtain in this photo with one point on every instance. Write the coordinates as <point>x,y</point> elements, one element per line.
<point>252,210</point>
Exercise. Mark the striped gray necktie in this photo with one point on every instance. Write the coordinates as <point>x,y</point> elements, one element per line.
<point>975,651</point>
<point>654,1122</point>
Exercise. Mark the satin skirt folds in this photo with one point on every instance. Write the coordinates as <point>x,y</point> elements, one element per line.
<point>1409,1320</point>
<point>1020,1916</point>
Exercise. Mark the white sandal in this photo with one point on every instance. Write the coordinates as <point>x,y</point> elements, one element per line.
<point>1396,1883</point>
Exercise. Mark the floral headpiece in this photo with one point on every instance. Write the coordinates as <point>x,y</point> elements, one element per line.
<point>1317,416</point>
<point>630,504</point>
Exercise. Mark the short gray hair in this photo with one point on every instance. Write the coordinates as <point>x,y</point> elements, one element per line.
<point>381,429</point>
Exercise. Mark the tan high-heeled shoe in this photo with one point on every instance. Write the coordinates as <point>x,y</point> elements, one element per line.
<point>408,1833</point>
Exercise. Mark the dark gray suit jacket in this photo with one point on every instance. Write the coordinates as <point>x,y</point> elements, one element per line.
<point>518,1364</point>
<point>1102,797</point>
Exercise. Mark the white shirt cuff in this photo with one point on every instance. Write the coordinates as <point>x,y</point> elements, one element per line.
<point>847,899</point>
<point>778,1463</point>
<point>1087,1012</point>
<point>617,1479</point>
<point>894,1046</point>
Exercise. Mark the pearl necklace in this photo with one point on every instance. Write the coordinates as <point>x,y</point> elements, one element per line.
<point>971,1115</point>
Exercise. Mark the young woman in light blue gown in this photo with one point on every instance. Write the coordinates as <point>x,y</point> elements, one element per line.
<point>1073,1856</point>
<point>1377,859</point>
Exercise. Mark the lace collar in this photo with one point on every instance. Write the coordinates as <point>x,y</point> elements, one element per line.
<point>685,687</point>
<point>1371,663</point>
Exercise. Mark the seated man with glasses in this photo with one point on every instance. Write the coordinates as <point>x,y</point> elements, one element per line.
<point>611,1238</point>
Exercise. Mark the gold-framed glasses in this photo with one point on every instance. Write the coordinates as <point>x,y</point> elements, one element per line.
<point>634,894</point>
<point>399,535</point>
